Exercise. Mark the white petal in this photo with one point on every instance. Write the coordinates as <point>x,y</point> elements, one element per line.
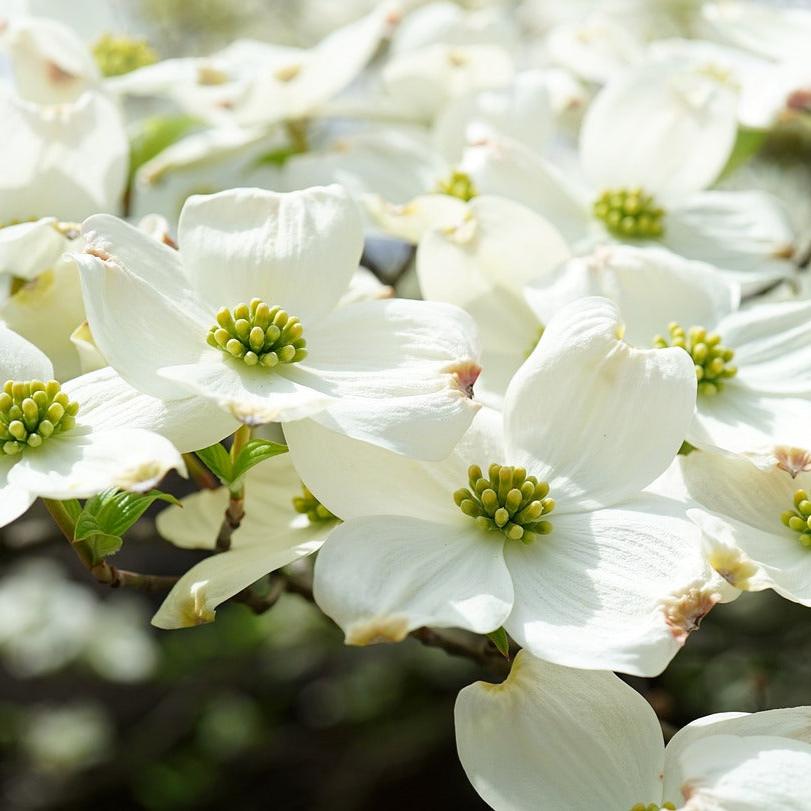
<point>252,395</point>
<point>399,374</point>
<point>20,359</point>
<point>508,169</point>
<point>14,500</point>
<point>80,463</point>
<point>746,774</point>
<point>616,589</point>
<point>136,295</point>
<point>194,598</point>
<point>383,576</point>
<point>31,248</point>
<point>747,234</point>
<point>551,737</point>
<point>643,128</point>
<point>46,310</point>
<point>772,344</point>
<point>355,479</point>
<point>297,250</point>
<point>789,724</point>
<point>593,416</point>
<point>90,358</point>
<point>650,285</point>
<point>106,401</point>
<point>66,161</point>
<point>741,420</point>
<point>409,221</point>
<point>197,523</point>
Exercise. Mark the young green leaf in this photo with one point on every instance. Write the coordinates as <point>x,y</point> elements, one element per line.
<point>218,461</point>
<point>254,452</point>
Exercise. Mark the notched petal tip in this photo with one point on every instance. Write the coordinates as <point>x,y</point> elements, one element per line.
<point>465,375</point>
<point>376,630</point>
<point>793,460</point>
<point>147,475</point>
<point>194,610</point>
<point>733,565</point>
<point>685,609</point>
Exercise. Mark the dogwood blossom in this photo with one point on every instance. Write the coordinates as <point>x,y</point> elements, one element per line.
<point>399,373</point>
<point>589,422</point>
<point>551,737</point>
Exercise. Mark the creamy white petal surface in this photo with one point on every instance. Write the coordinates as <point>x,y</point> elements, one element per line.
<point>551,737</point>
<point>355,479</point>
<point>650,285</point>
<point>593,416</point>
<point>615,589</point>
<point>383,576</point>
<point>30,248</point>
<point>20,359</point>
<point>747,234</point>
<point>14,500</point>
<point>643,129</point>
<point>66,161</point>
<point>409,221</point>
<point>296,250</point>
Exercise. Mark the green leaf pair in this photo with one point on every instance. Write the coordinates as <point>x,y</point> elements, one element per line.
<point>230,472</point>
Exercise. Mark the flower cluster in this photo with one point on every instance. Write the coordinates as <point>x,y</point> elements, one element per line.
<point>574,420</point>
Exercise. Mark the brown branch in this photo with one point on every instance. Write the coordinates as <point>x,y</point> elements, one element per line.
<point>234,513</point>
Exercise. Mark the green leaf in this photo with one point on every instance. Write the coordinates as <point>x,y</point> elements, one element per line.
<point>218,461</point>
<point>107,516</point>
<point>747,144</point>
<point>156,134</point>
<point>73,508</point>
<point>254,452</point>
<point>501,641</point>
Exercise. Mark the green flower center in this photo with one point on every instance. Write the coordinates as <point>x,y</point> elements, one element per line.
<point>258,334</point>
<point>458,185</point>
<point>508,501</point>
<point>653,807</point>
<point>630,213</point>
<point>711,358</point>
<point>117,55</point>
<point>31,411</point>
<point>307,504</point>
<point>799,519</point>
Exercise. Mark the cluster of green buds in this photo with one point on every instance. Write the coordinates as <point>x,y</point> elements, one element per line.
<point>259,334</point>
<point>711,359</point>
<point>307,504</point>
<point>458,185</point>
<point>799,519</point>
<point>508,501</point>
<point>31,411</point>
<point>630,213</point>
<point>653,807</point>
<point>117,55</point>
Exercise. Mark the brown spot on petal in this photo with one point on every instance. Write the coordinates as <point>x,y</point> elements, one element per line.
<point>376,630</point>
<point>792,460</point>
<point>685,610</point>
<point>98,252</point>
<point>58,75</point>
<point>287,73</point>
<point>467,374</point>
<point>784,252</point>
<point>800,100</point>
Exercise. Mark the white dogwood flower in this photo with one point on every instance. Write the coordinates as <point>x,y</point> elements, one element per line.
<point>283,522</point>
<point>538,524</point>
<point>755,520</point>
<point>244,315</point>
<point>647,183</point>
<point>551,737</point>
<point>58,442</point>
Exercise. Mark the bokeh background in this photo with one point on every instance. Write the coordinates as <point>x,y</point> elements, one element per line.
<point>100,710</point>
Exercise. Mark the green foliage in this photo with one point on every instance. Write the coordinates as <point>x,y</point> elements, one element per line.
<point>217,459</point>
<point>500,639</point>
<point>156,134</point>
<point>102,522</point>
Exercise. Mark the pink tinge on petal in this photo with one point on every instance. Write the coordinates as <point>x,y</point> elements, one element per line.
<point>685,609</point>
<point>467,374</point>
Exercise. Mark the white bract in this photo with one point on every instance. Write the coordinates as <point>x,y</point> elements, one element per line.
<point>244,315</point>
<point>755,521</point>
<point>645,175</point>
<point>59,443</point>
<point>283,522</point>
<point>551,737</point>
<point>612,578</point>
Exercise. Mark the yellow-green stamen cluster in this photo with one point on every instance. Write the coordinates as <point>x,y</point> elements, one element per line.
<point>307,504</point>
<point>712,360</point>
<point>31,411</point>
<point>799,519</point>
<point>117,55</point>
<point>508,501</point>
<point>653,807</point>
<point>630,213</point>
<point>458,185</point>
<point>259,334</point>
